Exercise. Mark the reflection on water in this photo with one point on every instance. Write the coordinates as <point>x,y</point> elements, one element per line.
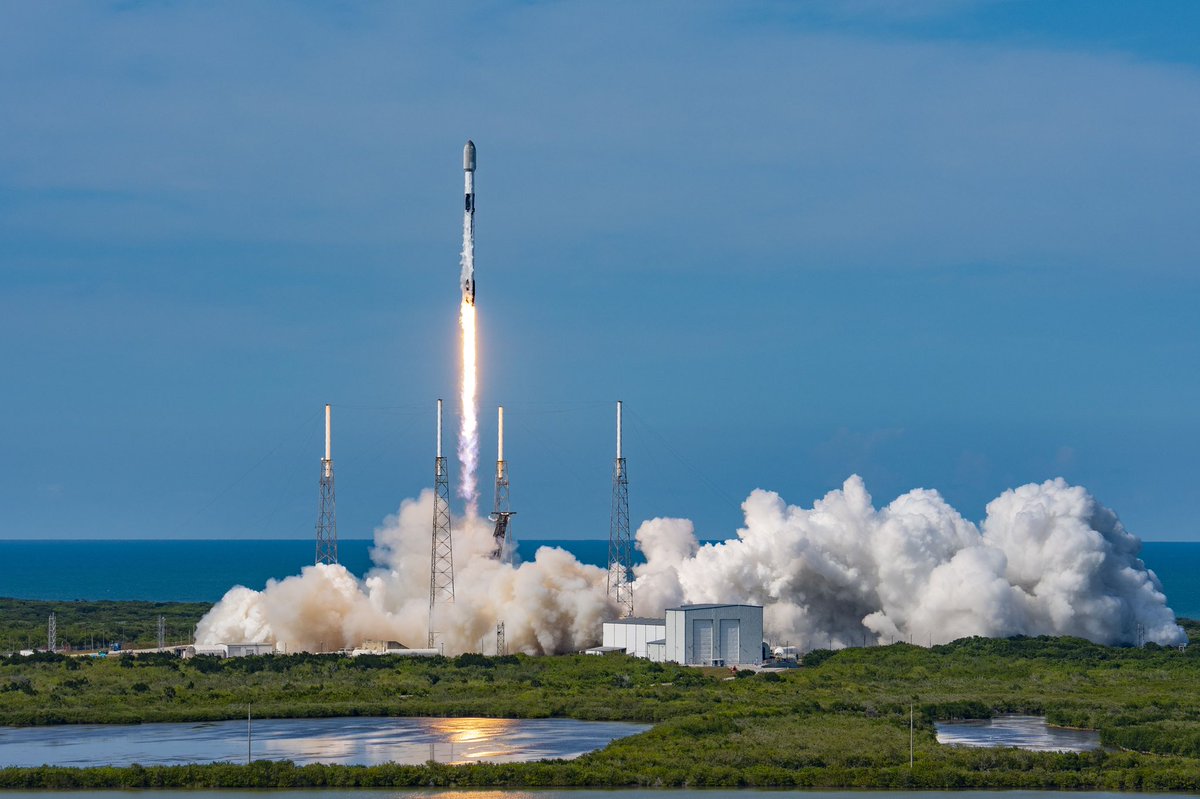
<point>468,730</point>
<point>623,793</point>
<point>350,741</point>
<point>1023,732</point>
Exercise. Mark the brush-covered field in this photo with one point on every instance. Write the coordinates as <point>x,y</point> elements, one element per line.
<point>95,624</point>
<point>839,720</point>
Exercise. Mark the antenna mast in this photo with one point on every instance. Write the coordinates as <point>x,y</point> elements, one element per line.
<point>441,562</point>
<point>327,515</point>
<point>501,510</point>
<point>620,544</point>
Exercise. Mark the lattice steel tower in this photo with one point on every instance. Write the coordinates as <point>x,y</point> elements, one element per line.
<point>52,633</point>
<point>501,511</point>
<point>327,544</point>
<point>620,543</point>
<point>441,561</point>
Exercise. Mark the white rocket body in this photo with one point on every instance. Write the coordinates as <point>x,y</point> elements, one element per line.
<point>468,257</point>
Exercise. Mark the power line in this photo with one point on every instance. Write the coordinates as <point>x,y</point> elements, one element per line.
<point>641,422</point>
<point>237,480</point>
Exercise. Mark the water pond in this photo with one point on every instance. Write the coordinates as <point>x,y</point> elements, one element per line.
<point>1023,732</point>
<point>633,793</point>
<point>347,741</point>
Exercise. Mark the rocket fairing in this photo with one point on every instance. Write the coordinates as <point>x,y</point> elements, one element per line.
<point>468,276</point>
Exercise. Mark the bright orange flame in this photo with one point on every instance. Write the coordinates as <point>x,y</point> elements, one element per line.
<point>468,438</point>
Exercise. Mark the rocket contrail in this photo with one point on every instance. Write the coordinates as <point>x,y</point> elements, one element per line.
<point>468,438</point>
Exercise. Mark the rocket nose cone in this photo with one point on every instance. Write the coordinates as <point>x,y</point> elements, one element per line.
<point>469,156</point>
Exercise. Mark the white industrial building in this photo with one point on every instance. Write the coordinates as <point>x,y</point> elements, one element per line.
<point>632,635</point>
<point>714,635</point>
<point>238,650</point>
<point>693,635</point>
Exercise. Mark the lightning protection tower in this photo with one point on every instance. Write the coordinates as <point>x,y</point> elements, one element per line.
<point>501,646</point>
<point>327,544</point>
<point>162,633</point>
<point>501,510</point>
<point>441,562</point>
<point>620,544</point>
<point>52,633</point>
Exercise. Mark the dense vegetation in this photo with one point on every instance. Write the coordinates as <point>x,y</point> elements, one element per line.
<point>839,720</point>
<point>82,625</point>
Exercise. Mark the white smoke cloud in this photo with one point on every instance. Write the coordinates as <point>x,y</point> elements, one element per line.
<point>1047,559</point>
<point>550,604</point>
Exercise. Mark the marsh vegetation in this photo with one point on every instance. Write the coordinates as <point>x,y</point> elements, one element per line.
<point>841,719</point>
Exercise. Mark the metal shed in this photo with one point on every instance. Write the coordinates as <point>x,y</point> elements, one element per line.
<point>714,635</point>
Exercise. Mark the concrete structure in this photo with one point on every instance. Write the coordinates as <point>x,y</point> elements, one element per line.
<point>714,635</point>
<point>693,635</point>
<point>390,648</point>
<point>238,650</point>
<point>633,634</point>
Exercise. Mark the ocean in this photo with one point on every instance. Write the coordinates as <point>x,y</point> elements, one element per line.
<point>201,571</point>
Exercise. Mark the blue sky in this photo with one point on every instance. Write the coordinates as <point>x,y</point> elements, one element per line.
<point>947,245</point>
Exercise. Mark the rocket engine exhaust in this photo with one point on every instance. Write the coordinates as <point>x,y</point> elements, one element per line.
<point>468,438</point>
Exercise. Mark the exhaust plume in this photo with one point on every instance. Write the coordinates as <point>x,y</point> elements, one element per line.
<point>1047,559</point>
<point>468,434</point>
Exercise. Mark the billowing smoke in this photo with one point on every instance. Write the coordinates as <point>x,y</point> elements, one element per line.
<point>550,604</point>
<point>1047,559</point>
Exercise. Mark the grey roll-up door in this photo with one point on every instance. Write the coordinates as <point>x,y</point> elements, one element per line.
<point>702,641</point>
<point>731,641</point>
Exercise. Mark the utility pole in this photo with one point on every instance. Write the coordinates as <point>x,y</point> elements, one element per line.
<point>911,740</point>
<point>249,728</point>
<point>620,543</point>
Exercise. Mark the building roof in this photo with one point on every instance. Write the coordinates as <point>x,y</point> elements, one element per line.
<point>637,620</point>
<point>715,606</point>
